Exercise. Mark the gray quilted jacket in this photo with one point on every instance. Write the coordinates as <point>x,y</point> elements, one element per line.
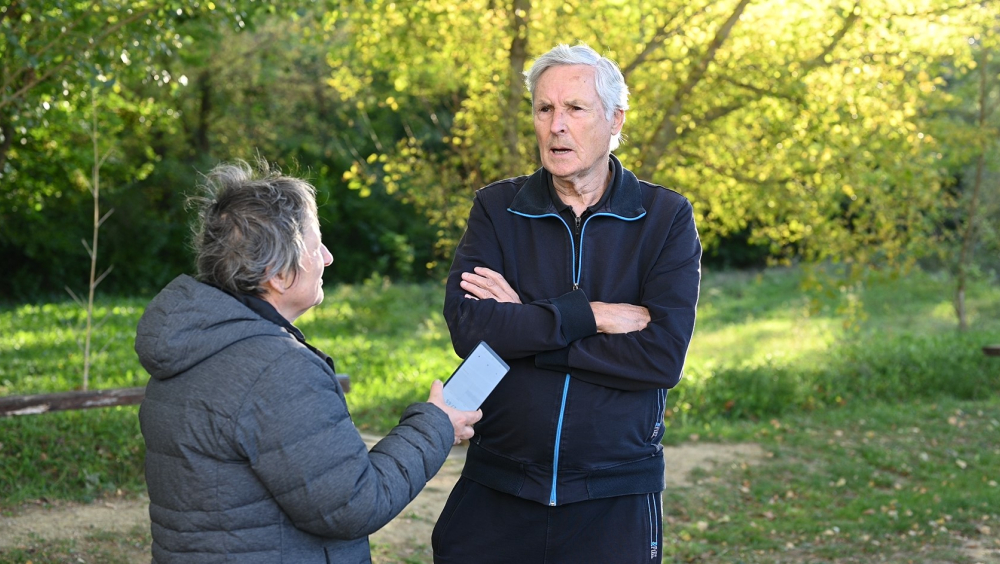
<point>251,455</point>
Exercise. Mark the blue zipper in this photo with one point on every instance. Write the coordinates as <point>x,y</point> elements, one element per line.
<point>555,454</point>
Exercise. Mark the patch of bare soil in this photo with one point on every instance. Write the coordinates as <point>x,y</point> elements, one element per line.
<point>407,535</point>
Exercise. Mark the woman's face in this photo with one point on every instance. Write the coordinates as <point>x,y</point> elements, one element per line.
<point>304,289</point>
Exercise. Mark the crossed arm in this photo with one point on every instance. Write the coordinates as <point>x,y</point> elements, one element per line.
<point>485,284</point>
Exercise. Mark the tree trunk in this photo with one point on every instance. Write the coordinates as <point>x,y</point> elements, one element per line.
<point>200,139</point>
<point>518,55</point>
<point>969,234</point>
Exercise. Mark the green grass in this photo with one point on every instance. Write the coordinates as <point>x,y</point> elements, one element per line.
<point>764,348</point>
<point>833,384</point>
<point>103,547</point>
<point>866,483</point>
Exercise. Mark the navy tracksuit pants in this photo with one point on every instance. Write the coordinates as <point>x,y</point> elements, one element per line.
<point>480,525</point>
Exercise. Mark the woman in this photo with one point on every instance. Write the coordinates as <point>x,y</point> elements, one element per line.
<point>251,454</point>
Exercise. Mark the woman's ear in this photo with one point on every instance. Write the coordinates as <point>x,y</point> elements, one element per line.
<point>276,284</point>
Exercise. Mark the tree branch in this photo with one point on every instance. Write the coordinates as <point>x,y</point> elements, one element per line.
<point>665,132</point>
<point>849,21</point>
<point>657,41</point>
<point>70,58</point>
<point>758,93</point>
<point>65,30</point>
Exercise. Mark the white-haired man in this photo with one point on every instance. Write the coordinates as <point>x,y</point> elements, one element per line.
<point>585,280</point>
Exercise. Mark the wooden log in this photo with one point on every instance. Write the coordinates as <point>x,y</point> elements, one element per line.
<point>44,403</point>
<point>63,401</point>
<point>991,350</point>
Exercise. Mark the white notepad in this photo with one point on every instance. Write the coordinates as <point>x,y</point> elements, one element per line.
<point>474,379</point>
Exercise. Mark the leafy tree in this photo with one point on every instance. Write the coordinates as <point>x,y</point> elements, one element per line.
<point>262,91</point>
<point>965,117</point>
<point>798,124</point>
<point>51,55</point>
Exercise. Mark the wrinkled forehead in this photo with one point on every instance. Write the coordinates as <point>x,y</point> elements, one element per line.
<point>563,82</point>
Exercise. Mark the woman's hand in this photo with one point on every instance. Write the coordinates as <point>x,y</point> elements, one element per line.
<point>462,421</point>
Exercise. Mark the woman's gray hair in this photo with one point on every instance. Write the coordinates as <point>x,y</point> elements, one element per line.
<point>608,78</point>
<point>250,226</point>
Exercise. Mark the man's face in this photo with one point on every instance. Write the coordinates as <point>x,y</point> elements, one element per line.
<point>573,135</point>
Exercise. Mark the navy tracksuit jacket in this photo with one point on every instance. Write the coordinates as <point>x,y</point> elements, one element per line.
<point>579,416</point>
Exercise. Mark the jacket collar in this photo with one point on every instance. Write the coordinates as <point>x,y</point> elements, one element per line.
<point>625,197</point>
<point>264,309</point>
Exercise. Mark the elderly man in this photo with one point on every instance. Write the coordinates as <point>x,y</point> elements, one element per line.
<point>585,280</point>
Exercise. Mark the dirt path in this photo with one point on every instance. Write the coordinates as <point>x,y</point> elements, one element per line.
<point>406,535</point>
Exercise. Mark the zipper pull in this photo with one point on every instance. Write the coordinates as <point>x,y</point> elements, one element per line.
<point>578,225</point>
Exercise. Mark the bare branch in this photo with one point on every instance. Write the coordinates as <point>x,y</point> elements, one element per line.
<point>76,298</point>
<point>763,92</point>
<point>758,93</point>
<point>100,222</point>
<point>106,345</point>
<point>104,158</point>
<point>105,273</point>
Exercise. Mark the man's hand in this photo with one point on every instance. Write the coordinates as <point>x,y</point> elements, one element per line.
<point>462,421</point>
<point>619,318</point>
<point>486,284</point>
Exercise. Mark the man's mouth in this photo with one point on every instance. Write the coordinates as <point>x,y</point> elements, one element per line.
<point>560,150</point>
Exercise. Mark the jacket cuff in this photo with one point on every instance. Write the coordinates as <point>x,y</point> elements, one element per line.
<point>577,316</point>
<point>557,360</point>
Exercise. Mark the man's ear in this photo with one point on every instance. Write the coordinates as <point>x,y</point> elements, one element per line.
<point>617,121</point>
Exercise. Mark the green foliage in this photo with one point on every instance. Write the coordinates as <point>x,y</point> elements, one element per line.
<point>41,352</point>
<point>824,131</point>
<point>52,55</point>
<point>78,455</point>
<point>758,353</point>
<point>762,349</point>
<point>803,127</point>
<point>869,481</point>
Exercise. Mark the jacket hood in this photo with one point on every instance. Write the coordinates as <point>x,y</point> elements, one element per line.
<point>188,322</point>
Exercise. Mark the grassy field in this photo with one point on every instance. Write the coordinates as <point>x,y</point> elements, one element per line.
<point>878,419</point>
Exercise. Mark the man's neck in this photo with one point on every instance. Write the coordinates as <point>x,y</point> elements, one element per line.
<point>582,195</point>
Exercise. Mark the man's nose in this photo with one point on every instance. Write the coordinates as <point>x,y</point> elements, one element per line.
<point>558,124</point>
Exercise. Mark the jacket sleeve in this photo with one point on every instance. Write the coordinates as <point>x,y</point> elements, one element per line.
<point>654,357</point>
<point>302,445</point>
<point>512,330</point>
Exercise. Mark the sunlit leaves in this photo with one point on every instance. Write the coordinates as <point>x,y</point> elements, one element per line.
<point>805,123</point>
